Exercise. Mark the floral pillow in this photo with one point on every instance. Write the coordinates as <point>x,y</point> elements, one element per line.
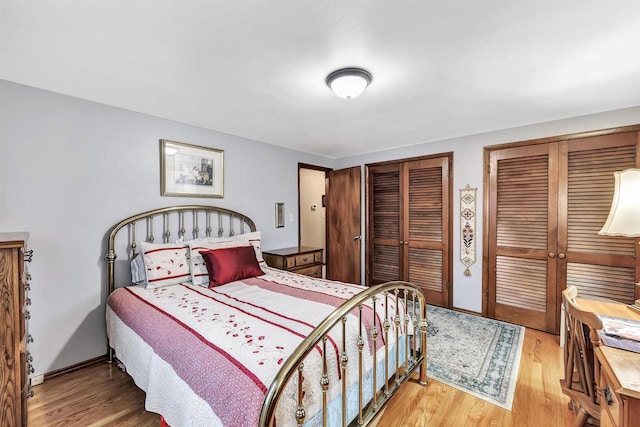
<point>166,264</point>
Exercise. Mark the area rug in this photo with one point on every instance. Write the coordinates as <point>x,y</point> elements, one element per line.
<point>477,355</point>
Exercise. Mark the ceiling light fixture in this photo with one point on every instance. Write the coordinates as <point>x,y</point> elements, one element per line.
<point>349,83</point>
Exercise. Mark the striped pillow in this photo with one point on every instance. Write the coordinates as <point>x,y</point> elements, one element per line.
<point>166,264</point>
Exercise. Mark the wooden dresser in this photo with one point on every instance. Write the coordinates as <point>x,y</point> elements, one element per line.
<point>298,259</point>
<point>15,361</point>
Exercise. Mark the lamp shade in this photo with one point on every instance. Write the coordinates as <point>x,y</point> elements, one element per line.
<point>349,83</point>
<point>624,217</point>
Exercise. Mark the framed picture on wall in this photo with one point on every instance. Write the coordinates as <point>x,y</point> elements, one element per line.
<point>190,170</point>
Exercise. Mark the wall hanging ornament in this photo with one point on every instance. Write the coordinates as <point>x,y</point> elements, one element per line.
<point>468,227</point>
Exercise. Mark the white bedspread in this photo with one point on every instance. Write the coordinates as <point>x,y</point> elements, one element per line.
<point>207,356</point>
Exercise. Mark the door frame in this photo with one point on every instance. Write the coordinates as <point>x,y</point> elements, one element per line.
<point>316,168</point>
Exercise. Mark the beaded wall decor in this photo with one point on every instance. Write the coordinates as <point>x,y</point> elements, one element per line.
<point>468,227</point>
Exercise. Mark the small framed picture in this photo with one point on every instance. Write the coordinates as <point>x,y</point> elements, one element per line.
<point>190,170</point>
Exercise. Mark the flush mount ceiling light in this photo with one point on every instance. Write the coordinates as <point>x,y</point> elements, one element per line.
<point>349,83</point>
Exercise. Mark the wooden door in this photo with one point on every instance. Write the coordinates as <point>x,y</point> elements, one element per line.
<point>547,202</point>
<point>599,266</point>
<point>344,249</point>
<point>383,231</point>
<point>522,236</point>
<point>425,228</point>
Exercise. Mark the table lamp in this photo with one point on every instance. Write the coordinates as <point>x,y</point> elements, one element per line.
<point>624,217</point>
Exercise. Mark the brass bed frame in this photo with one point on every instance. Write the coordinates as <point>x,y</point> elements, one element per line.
<point>190,219</point>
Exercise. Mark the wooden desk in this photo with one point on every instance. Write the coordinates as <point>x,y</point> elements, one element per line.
<point>619,379</point>
<point>608,308</point>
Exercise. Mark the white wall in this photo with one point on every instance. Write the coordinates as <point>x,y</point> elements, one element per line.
<point>467,169</point>
<point>70,169</point>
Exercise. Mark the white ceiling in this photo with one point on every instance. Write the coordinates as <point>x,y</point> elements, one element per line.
<point>257,69</point>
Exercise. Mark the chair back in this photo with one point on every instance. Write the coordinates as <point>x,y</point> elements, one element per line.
<point>580,367</point>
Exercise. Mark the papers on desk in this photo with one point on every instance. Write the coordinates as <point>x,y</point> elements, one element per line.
<point>620,333</point>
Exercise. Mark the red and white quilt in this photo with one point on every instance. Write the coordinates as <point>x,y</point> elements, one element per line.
<point>214,352</point>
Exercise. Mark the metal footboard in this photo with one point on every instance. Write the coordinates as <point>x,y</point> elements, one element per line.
<point>409,308</point>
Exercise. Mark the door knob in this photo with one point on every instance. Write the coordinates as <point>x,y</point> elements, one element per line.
<point>552,255</point>
<point>561,255</point>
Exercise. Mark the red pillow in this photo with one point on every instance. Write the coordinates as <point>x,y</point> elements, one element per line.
<point>229,264</point>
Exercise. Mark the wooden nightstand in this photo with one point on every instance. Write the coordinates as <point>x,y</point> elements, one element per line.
<point>298,259</point>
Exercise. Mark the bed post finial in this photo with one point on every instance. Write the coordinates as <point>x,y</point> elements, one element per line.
<point>111,259</point>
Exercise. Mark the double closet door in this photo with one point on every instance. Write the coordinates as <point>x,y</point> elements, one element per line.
<point>546,203</point>
<point>408,225</point>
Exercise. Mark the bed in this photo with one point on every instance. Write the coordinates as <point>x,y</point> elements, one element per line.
<point>216,337</point>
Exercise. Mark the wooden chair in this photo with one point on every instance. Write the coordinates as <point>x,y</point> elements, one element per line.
<point>581,369</point>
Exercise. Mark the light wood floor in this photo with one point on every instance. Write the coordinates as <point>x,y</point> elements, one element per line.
<point>101,395</point>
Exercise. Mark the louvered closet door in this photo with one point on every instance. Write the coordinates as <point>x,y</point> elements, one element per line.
<point>426,207</point>
<point>553,198</point>
<point>597,265</point>
<point>522,239</point>
<point>384,224</point>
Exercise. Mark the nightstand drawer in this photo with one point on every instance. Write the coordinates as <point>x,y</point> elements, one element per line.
<point>305,259</point>
<point>313,271</point>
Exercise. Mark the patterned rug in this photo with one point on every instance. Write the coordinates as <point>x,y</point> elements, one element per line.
<point>477,355</point>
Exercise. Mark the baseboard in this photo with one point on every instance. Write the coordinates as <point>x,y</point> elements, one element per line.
<point>73,368</point>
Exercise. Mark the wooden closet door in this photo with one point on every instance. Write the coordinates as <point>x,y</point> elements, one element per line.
<point>384,224</point>
<point>599,266</point>
<point>547,202</point>
<point>409,225</point>
<point>522,236</point>
<point>426,227</point>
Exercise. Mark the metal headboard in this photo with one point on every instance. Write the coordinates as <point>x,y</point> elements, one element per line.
<point>159,223</point>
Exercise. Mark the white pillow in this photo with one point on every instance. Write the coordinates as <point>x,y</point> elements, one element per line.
<point>199,273</point>
<point>166,264</point>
